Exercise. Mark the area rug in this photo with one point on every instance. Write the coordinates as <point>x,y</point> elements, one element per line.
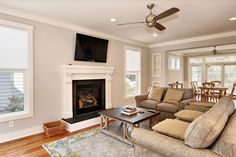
<point>89,144</point>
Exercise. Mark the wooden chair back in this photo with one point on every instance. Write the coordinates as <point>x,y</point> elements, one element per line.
<point>208,85</point>
<point>232,91</point>
<point>216,83</point>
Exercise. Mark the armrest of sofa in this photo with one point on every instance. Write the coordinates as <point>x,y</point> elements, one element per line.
<point>140,98</point>
<point>184,103</point>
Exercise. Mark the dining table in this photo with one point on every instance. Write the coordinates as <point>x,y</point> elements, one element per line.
<point>207,91</point>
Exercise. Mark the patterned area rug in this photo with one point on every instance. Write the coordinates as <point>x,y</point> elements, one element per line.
<point>89,144</point>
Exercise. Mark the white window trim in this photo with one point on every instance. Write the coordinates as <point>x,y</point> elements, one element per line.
<point>140,83</point>
<point>28,95</point>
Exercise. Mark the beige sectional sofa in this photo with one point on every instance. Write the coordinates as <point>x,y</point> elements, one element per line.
<point>166,108</point>
<point>212,134</point>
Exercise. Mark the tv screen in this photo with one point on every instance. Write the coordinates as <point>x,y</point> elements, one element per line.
<point>90,48</point>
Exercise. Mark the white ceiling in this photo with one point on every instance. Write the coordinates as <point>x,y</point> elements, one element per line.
<point>196,17</point>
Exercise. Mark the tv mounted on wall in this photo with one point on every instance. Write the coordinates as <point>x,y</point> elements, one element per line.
<point>90,48</point>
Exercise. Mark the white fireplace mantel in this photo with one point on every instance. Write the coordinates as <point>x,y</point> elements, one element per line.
<point>80,72</point>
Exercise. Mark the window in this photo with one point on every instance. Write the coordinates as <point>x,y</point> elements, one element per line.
<point>16,94</point>
<point>174,62</point>
<point>132,72</point>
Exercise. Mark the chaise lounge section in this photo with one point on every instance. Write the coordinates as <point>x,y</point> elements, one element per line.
<point>213,134</point>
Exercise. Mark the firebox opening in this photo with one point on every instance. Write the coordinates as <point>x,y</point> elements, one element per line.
<point>88,97</point>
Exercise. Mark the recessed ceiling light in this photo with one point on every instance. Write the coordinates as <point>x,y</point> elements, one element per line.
<point>112,19</point>
<point>154,34</point>
<point>232,18</point>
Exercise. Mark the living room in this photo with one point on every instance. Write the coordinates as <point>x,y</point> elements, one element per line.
<point>138,55</point>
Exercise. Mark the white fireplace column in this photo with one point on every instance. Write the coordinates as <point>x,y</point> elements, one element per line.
<point>79,72</point>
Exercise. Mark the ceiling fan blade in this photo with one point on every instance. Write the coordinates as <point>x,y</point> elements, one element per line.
<point>166,13</point>
<point>159,26</point>
<point>130,23</point>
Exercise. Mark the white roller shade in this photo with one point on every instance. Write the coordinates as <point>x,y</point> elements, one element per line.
<point>13,48</point>
<point>132,60</point>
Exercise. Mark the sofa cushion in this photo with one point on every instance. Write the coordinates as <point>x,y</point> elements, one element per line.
<point>202,104</point>
<point>155,93</point>
<point>166,107</point>
<point>203,131</point>
<point>173,96</point>
<point>166,127</point>
<point>188,93</point>
<point>151,104</point>
<point>188,115</point>
<point>165,145</point>
<point>226,143</point>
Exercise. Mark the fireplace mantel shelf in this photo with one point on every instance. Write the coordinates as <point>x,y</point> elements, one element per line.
<point>81,69</point>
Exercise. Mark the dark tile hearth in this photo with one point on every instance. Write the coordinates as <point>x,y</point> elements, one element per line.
<point>83,117</point>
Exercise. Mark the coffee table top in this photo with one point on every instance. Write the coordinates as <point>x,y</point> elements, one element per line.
<point>133,119</point>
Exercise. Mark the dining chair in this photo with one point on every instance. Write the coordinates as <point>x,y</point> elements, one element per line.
<point>216,83</point>
<point>196,90</point>
<point>207,92</point>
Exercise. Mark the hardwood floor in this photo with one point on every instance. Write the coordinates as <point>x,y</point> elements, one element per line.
<point>31,146</point>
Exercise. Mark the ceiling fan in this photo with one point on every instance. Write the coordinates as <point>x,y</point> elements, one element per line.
<point>151,19</point>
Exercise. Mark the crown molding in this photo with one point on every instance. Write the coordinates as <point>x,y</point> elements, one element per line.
<point>200,50</point>
<point>194,39</point>
<point>77,28</point>
<point>84,30</point>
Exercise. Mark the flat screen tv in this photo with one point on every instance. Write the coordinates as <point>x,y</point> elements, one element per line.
<point>90,49</point>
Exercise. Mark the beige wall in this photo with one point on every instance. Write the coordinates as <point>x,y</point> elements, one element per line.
<point>53,47</point>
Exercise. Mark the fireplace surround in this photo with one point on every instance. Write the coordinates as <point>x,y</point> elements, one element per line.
<point>80,72</point>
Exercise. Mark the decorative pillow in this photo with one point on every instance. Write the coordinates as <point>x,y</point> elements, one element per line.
<point>188,115</point>
<point>226,143</point>
<point>172,127</point>
<point>203,131</point>
<point>173,96</point>
<point>155,93</point>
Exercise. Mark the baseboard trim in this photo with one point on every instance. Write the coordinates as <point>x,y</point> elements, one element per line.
<point>20,134</point>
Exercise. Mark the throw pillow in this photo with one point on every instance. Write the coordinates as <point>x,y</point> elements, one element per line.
<point>203,131</point>
<point>172,127</point>
<point>155,93</point>
<point>173,96</point>
<point>188,115</point>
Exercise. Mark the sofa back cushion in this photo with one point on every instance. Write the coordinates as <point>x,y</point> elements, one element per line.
<point>226,143</point>
<point>173,96</point>
<point>188,93</point>
<point>203,131</point>
<point>155,93</point>
<point>188,115</point>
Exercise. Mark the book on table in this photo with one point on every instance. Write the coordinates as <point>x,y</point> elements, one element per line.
<point>129,111</point>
